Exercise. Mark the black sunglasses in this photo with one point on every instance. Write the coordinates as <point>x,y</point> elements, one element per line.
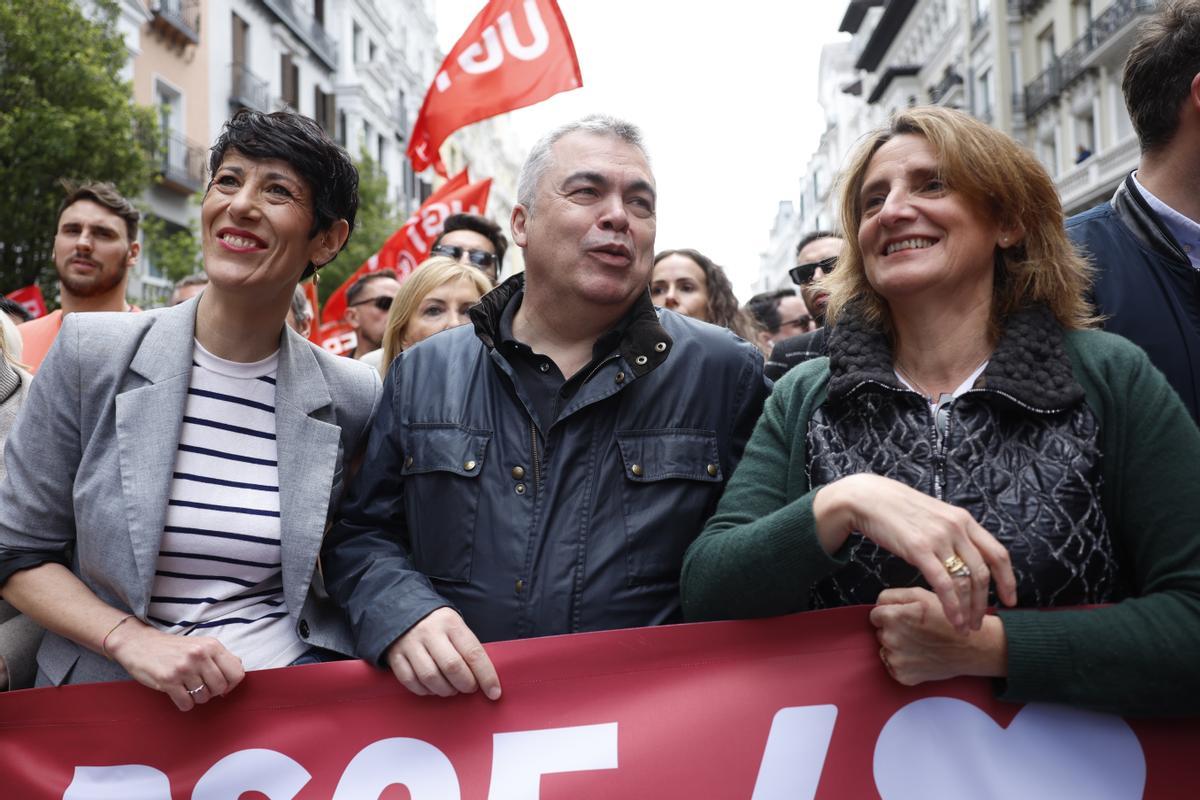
<point>478,258</point>
<point>804,321</point>
<point>804,273</point>
<point>383,302</point>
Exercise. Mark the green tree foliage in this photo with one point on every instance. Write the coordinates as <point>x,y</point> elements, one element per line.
<point>377,220</point>
<point>175,251</point>
<point>64,113</point>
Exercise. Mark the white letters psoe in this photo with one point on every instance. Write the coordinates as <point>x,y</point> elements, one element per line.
<point>795,753</point>
<point>122,782</point>
<point>417,765</point>
<point>521,758</point>
<point>938,748</point>
<point>273,774</point>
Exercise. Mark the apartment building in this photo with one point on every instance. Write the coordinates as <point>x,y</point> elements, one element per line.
<point>360,68</point>
<point>1048,72</point>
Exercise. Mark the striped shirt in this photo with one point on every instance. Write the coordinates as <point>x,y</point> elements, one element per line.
<point>219,570</point>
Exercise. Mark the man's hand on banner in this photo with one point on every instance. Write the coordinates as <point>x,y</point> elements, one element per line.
<point>919,644</point>
<point>440,655</point>
<point>189,669</point>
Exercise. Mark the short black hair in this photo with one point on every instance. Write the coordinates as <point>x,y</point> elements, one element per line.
<point>357,287</point>
<point>481,225</point>
<point>808,239</point>
<point>107,195</point>
<point>1159,71</point>
<point>301,143</point>
<point>765,308</point>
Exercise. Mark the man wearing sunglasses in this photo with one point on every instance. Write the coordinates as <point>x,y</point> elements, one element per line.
<point>367,303</point>
<point>474,240</point>
<point>816,257</point>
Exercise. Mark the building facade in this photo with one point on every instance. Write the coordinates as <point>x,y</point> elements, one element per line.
<point>360,68</point>
<point>1047,72</point>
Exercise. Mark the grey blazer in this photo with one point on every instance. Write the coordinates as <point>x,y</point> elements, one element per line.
<point>91,455</point>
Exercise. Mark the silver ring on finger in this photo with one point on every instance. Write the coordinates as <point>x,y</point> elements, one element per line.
<point>197,690</point>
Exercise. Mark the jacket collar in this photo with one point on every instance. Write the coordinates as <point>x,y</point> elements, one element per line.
<point>644,343</point>
<point>1029,364</point>
<point>162,356</point>
<point>1140,218</point>
<point>308,446</point>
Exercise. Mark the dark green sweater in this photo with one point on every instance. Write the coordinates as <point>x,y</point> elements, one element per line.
<point>759,554</point>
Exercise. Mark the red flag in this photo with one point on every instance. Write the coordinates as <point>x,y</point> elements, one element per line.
<point>514,54</point>
<point>409,246</point>
<point>30,298</point>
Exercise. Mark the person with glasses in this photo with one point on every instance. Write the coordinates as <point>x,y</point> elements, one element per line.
<point>475,240</point>
<point>816,257</point>
<point>435,297</point>
<point>1012,491</point>
<point>781,315</point>
<point>367,302</point>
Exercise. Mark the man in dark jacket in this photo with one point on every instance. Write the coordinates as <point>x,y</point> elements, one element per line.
<point>1145,242</point>
<point>816,256</point>
<point>544,470</point>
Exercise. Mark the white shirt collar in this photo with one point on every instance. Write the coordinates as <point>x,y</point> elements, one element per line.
<point>1186,231</point>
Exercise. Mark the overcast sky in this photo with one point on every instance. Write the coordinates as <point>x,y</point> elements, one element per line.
<point>725,92</point>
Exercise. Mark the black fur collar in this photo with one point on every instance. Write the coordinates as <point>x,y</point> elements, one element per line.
<point>1029,363</point>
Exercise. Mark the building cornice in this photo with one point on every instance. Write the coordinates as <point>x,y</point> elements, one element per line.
<point>889,75</point>
<point>855,11</point>
<point>885,32</point>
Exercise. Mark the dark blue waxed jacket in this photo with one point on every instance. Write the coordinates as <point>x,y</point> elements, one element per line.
<point>463,501</point>
<point>1145,286</point>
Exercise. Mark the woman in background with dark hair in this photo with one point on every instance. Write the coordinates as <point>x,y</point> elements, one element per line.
<point>173,473</point>
<point>690,283</point>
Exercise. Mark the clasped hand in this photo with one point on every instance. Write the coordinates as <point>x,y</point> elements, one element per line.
<point>925,532</point>
<point>189,669</point>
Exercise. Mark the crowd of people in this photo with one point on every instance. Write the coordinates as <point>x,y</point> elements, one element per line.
<point>932,423</point>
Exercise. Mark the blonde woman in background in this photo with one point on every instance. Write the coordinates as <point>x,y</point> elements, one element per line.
<point>435,297</point>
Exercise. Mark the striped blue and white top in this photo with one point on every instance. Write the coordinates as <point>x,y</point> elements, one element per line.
<point>219,570</point>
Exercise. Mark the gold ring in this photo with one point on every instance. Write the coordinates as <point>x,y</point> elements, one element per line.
<point>957,567</point>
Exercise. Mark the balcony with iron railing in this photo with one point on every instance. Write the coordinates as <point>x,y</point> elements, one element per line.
<point>1112,32</point>
<point>305,26</point>
<point>178,20</point>
<point>1063,72</point>
<point>248,90</point>
<point>181,162</point>
<point>1112,29</point>
<point>1025,8</point>
<point>942,88</point>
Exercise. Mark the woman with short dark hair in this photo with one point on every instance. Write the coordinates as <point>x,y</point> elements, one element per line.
<point>966,428</point>
<point>171,481</point>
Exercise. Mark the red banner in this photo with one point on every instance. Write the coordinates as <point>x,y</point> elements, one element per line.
<point>410,245</point>
<point>514,54</point>
<point>30,298</point>
<point>337,337</point>
<point>793,707</point>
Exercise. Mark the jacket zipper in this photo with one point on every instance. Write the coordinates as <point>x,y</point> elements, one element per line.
<point>537,467</point>
<point>939,483</point>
